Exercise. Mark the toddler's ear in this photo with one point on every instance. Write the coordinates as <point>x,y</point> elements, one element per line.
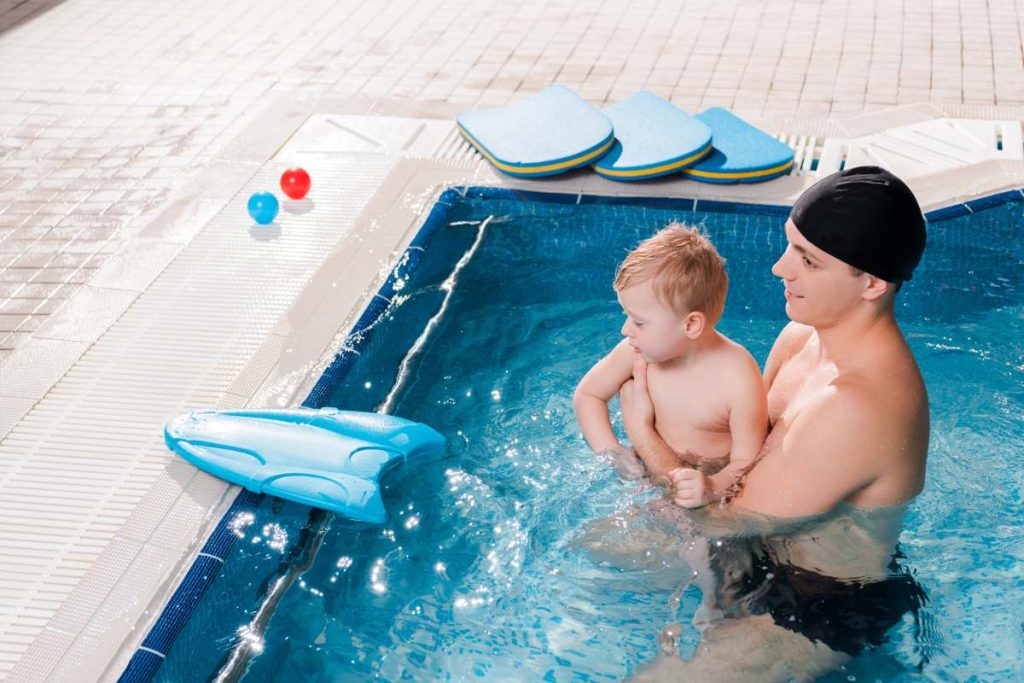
<point>694,323</point>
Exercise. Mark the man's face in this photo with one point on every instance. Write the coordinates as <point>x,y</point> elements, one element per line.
<point>820,289</point>
<point>652,328</point>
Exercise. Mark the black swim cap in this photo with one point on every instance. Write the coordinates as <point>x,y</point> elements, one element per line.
<point>866,217</point>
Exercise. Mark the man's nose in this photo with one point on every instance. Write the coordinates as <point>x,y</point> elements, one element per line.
<point>781,268</point>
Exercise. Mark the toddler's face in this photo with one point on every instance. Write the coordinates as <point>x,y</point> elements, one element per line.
<point>654,330</point>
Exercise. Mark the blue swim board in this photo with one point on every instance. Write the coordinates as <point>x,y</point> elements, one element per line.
<point>741,154</point>
<point>653,137</point>
<point>329,458</point>
<point>551,132</point>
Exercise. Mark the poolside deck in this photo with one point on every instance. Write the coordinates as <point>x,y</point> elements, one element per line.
<point>130,133</point>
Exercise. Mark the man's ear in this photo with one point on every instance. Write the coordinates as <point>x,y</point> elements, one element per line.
<point>694,324</point>
<point>876,288</point>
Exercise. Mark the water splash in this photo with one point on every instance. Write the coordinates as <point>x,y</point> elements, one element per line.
<point>448,287</point>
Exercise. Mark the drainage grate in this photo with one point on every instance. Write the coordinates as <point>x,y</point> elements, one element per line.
<point>456,149</point>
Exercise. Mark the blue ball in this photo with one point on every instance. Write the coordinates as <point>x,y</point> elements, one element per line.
<point>263,207</point>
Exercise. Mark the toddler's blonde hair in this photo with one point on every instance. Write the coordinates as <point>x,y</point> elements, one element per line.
<point>688,273</point>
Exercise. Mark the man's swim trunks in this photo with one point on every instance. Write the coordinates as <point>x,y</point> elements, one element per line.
<point>848,616</point>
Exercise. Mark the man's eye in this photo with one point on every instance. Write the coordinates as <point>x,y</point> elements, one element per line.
<point>808,262</point>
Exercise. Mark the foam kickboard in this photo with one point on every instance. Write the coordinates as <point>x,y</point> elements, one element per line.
<point>653,137</point>
<point>331,459</point>
<point>741,154</point>
<point>551,132</point>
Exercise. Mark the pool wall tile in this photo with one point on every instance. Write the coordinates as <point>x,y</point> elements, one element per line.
<point>193,586</point>
<point>947,213</point>
<point>742,207</point>
<point>982,203</point>
<point>222,538</point>
<point>144,663</point>
<point>667,203</point>
<point>975,205</point>
<point>142,667</point>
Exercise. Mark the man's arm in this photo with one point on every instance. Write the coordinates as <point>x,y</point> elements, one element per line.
<point>598,386</point>
<point>638,415</point>
<point>748,426</point>
<point>833,449</point>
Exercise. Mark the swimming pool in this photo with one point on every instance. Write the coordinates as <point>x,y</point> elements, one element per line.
<point>477,575</point>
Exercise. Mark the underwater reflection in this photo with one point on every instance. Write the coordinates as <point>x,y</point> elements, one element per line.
<point>781,599</point>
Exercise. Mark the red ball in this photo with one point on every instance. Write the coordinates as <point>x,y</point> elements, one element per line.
<point>295,183</point>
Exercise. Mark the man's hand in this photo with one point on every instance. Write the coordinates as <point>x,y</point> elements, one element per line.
<point>625,462</point>
<point>692,487</point>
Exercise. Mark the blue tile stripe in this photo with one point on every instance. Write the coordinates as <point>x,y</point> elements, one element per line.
<point>150,655</point>
<point>947,213</point>
<point>142,668</point>
<point>974,205</point>
<point>147,659</point>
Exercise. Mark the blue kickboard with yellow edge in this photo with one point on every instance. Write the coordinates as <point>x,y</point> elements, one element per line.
<point>741,154</point>
<point>548,133</point>
<point>653,137</point>
<point>331,459</point>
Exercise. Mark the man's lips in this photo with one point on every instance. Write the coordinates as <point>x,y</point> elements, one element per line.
<point>790,295</point>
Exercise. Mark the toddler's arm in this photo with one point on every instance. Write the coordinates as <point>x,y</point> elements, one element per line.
<point>598,386</point>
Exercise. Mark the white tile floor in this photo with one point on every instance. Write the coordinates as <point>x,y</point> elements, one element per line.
<point>106,106</point>
<point>111,111</point>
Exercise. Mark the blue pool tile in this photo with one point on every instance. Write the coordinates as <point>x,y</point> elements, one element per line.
<point>742,207</point>
<point>947,213</point>
<point>342,362</point>
<point>504,193</point>
<point>549,197</point>
<point>223,537</point>
<point>183,602</point>
<point>142,667</point>
<point>437,217</point>
<point>667,203</point>
<point>994,200</point>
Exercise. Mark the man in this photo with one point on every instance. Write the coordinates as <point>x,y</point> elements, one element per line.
<point>848,418</point>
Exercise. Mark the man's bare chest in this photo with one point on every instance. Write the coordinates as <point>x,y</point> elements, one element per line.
<point>799,383</point>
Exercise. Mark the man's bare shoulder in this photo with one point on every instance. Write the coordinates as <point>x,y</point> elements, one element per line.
<point>790,341</point>
<point>877,438</point>
<point>793,337</point>
<point>867,400</point>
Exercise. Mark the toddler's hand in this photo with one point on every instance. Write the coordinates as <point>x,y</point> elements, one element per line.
<point>625,462</point>
<point>692,487</point>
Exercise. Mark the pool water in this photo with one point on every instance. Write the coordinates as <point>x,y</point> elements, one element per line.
<point>478,574</point>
